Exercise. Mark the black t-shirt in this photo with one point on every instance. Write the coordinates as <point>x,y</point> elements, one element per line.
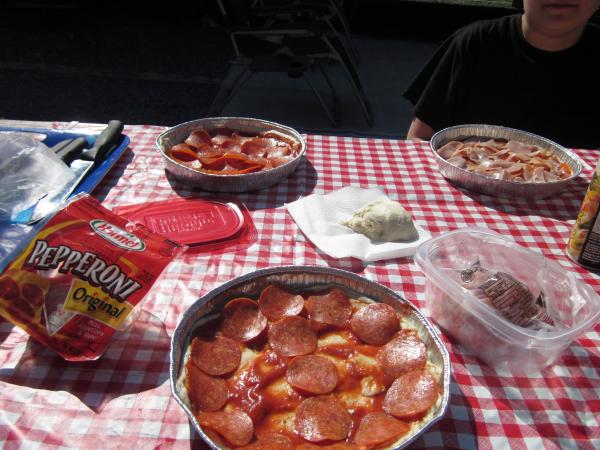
<point>487,73</point>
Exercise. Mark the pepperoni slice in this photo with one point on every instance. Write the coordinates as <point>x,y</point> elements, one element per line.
<point>276,303</point>
<point>255,147</point>
<point>235,426</point>
<point>332,308</point>
<point>198,138</point>
<point>272,441</point>
<point>403,353</point>
<point>240,161</point>
<point>22,309</point>
<point>322,418</point>
<point>229,171</point>
<point>312,373</point>
<point>411,395</point>
<point>216,357</point>
<point>232,145</point>
<point>375,324</point>
<point>242,320</point>
<point>32,293</point>
<point>213,161</point>
<point>206,393</point>
<point>293,336</point>
<point>378,428</point>
<point>183,152</point>
<point>9,289</point>
<point>206,151</point>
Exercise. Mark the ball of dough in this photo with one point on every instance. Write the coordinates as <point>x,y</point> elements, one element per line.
<point>383,220</point>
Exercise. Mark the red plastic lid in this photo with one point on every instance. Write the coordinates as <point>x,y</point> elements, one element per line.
<point>189,222</point>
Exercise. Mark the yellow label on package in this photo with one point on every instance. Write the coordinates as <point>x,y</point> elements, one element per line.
<point>83,298</point>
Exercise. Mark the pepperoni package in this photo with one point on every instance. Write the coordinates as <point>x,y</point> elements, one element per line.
<point>81,278</point>
<point>307,368</point>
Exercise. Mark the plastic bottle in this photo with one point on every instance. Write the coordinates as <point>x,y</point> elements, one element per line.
<point>584,243</point>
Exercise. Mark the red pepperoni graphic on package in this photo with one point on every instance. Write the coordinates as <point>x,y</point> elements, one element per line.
<point>235,426</point>
<point>375,324</point>
<point>322,418</point>
<point>276,303</point>
<point>313,374</point>
<point>293,336</point>
<point>206,393</point>
<point>403,353</point>
<point>218,356</point>
<point>379,428</point>
<point>9,289</point>
<point>243,320</point>
<point>332,308</point>
<point>32,293</point>
<point>22,309</point>
<point>411,395</point>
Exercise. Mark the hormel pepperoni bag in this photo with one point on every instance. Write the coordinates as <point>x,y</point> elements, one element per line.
<point>81,277</point>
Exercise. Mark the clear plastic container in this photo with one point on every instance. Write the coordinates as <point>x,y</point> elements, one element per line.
<point>573,306</point>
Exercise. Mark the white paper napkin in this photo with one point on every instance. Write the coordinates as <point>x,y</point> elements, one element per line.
<point>319,217</point>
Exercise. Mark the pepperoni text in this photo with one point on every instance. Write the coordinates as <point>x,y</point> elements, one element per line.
<point>87,265</point>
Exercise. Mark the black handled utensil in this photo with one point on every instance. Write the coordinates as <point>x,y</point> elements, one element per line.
<point>70,149</point>
<point>105,142</point>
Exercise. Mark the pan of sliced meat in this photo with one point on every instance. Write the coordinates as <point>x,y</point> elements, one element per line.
<point>231,154</point>
<point>503,162</point>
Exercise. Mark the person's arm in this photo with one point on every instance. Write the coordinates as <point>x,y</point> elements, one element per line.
<point>419,130</point>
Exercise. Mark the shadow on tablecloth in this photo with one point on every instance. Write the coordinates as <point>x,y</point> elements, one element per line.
<point>562,206</point>
<point>554,407</point>
<point>137,360</point>
<point>300,183</point>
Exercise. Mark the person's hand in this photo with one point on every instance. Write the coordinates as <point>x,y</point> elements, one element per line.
<point>419,130</point>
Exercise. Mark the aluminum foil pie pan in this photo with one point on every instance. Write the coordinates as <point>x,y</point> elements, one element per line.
<point>302,279</point>
<point>227,183</point>
<point>501,188</point>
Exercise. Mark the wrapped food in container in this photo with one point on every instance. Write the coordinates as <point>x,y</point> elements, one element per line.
<point>511,306</point>
<point>82,277</point>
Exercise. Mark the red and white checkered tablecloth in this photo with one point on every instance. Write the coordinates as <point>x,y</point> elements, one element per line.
<point>123,400</point>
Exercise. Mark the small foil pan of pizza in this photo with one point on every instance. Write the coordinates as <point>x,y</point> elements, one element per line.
<point>303,357</point>
<point>231,154</point>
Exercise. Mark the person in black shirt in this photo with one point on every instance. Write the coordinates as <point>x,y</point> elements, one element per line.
<point>535,72</point>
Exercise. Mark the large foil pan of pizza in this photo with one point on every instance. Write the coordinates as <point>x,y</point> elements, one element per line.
<point>231,154</point>
<point>504,162</point>
<point>303,357</point>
